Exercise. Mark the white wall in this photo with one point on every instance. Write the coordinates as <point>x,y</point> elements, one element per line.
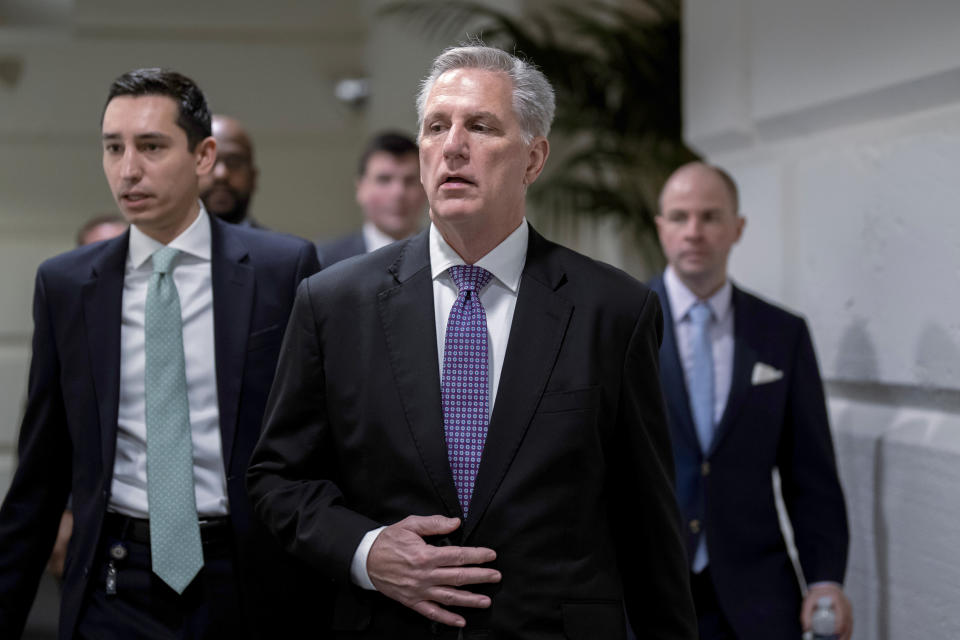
<point>841,121</point>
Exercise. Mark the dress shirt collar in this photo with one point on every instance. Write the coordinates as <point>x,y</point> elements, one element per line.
<point>505,261</point>
<point>681,299</point>
<point>194,240</point>
<point>373,238</point>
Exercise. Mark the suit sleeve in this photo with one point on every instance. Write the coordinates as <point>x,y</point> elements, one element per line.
<point>308,263</point>
<point>808,472</point>
<point>290,480</point>
<point>646,520</point>
<point>37,496</point>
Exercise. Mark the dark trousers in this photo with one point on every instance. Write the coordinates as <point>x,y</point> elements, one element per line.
<point>145,607</point>
<point>710,619</point>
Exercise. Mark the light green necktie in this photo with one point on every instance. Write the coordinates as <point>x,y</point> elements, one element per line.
<point>175,548</point>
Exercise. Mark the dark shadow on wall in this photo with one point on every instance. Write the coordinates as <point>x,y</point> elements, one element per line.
<point>856,365</point>
<point>938,358</point>
<point>856,359</point>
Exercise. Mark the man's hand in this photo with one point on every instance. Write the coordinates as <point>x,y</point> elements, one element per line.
<point>841,607</point>
<point>421,576</point>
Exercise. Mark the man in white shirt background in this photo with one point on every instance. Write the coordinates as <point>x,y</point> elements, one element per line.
<point>390,197</point>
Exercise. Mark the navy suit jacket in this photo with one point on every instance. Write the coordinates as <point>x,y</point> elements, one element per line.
<point>777,424</point>
<point>342,248</point>
<point>574,486</point>
<point>69,432</point>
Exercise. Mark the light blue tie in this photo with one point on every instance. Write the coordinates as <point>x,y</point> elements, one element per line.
<point>701,397</point>
<point>175,547</point>
<point>701,376</point>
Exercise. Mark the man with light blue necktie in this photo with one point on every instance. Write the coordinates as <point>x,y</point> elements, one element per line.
<point>153,353</point>
<point>744,398</point>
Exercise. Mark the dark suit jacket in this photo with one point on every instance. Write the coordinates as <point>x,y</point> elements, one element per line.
<point>574,488</point>
<point>780,424</point>
<point>69,433</point>
<point>342,248</point>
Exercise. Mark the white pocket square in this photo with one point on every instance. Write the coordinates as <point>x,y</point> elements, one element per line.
<point>764,373</point>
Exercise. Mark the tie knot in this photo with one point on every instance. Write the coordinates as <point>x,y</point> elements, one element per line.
<point>700,313</point>
<point>163,258</point>
<point>469,277</point>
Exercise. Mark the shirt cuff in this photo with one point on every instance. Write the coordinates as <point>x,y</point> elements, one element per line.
<point>358,566</point>
<point>820,583</point>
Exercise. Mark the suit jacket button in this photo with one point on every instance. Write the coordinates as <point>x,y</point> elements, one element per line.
<point>694,526</point>
<point>705,469</point>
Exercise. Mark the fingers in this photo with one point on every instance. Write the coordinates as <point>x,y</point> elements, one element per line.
<point>806,611</point>
<point>462,556</point>
<point>449,598</point>
<point>436,613</point>
<point>425,577</point>
<point>460,576</point>
<point>842,609</point>
<point>430,525</point>
<point>456,598</point>
<point>844,617</point>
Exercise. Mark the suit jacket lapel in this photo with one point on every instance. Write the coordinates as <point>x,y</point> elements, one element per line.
<point>671,372</point>
<point>102,311</point>
<point>540,321</point>
<point>409,325</point>
<point>744,357</point>
<point>233,293</point>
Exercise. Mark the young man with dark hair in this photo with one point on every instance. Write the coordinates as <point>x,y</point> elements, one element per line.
<point>389,194</point>
<point>153,354</point>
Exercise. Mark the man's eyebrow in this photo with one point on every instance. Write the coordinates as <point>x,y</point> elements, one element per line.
<point>435,113</point>
<point>150,135</point>
<point>484,114</point>
<point>473,115</point>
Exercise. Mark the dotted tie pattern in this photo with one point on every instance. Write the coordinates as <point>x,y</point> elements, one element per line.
<point>175,548</point>
<point>464,386</point>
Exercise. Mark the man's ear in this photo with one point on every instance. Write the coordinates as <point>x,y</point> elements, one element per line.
<point>539,150</point>
<point>206,155</point>
<point>356,190</point>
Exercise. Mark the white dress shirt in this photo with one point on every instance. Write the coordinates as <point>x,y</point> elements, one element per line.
<point>681,299</point>
<point>499,300</point>
<point>373,238</point>
<point>192,277</point>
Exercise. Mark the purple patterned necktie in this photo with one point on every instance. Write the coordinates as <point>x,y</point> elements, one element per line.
<point>464,387</point>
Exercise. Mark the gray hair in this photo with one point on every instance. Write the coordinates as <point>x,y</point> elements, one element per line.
<point>533,99</point>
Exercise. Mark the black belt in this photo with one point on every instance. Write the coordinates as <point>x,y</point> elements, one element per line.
<point>212,530</point>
